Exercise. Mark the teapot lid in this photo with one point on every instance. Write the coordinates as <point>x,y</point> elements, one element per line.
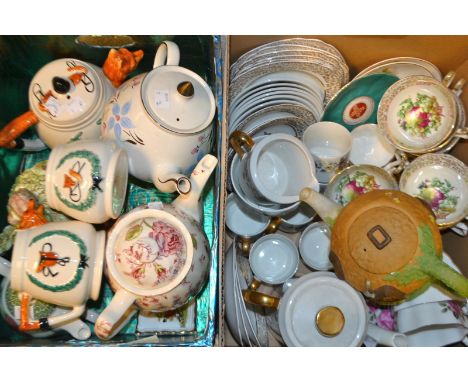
<point>65,92</point>
<point>321,310</point>
<point>178,99</point>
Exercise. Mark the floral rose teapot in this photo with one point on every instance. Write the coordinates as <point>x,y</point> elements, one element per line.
<point>164,119</point>
<point>66,99</point>
<point>157,256</point>
<point>386,244</point>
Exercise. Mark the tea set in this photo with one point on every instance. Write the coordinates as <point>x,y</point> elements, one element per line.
<point>369,161</point>
<point>156,127</point>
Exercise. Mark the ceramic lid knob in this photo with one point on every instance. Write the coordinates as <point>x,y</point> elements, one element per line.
<point>178,99</point>
<point>330,321</point>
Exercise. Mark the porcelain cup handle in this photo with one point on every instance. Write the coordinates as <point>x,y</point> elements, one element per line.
<point>448,79</point>
<point>118,311</point>
<point>167,54</point>
<point>239,140</point>
<point>5,267</point>
<point>462,133</point>
<point>398,164</point>
<point>261,299</point>
<point>386,337</point>
<point>460,229</point>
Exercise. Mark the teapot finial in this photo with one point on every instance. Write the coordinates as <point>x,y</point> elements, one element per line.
<point>189,203</point>
<point>324,207</point>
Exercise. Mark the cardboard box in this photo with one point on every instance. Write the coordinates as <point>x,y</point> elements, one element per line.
<point>446,52</point>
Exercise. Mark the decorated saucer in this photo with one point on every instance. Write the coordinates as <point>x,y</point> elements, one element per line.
<point>403,67</point>
<point>417,114</point>
<point>441,180</point>
<point>356,180</point>
<point>356,103</point>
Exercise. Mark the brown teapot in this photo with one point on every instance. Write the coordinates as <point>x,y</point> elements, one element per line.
<point>386,244</point>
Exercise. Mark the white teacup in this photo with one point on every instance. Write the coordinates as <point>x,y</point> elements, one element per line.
<point>438,336</point>
<point>276,168</point>
<point>329,144</point>
<point>59,263</point>
<point>87,180</point>
<point>273,259</point>
<point>245,223</point>
<point>296,220</point>
<point>314,246</point>
<point>369,146</point>
<point>431,315</point>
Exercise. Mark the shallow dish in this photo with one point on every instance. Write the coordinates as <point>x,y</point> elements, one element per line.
<point>357,180</point>
<point>442,181</point>
<point>417,114</point>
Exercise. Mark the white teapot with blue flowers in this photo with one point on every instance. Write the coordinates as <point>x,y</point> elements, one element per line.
<point>164,119</point>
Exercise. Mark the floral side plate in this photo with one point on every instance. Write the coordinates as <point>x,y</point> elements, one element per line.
<point>417,114</point>
<point>441,180</point>
<point>357,180</point>
<point>356,103</point>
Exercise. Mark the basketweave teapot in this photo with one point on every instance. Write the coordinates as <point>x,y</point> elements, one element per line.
<point>66,99</point>
<point>164,120</point>
<point>386,244</point>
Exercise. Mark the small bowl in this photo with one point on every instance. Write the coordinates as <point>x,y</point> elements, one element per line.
<point>314,246</point>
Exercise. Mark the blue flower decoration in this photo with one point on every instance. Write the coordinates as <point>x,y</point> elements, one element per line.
<point>119,118</point>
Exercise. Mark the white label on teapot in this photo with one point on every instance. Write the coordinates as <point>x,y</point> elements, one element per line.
<point>162,99</point>
<point>53,106</point>
<point>76,105</point>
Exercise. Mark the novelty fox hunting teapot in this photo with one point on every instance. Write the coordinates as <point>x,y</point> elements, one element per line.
<point>67,98</point>
<point>386,244</point>
<point>164,119</point>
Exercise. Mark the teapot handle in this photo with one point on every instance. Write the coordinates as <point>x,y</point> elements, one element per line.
<point>15,128</point>
<point>167,54</point>
<point>45,323</point>
<point>116,315</point>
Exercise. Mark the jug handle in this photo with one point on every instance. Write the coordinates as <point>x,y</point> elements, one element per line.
<point>116,315</point>
<point>44,323</point>
<point>167,54</point>
<point>15,128</point>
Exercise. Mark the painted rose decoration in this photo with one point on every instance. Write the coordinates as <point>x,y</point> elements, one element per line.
<point>153,253</point>
<point>420,117</point>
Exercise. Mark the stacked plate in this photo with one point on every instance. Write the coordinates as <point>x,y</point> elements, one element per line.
<point>288,80</point>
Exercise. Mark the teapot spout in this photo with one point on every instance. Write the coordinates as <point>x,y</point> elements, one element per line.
<point>169,180</point>
<point>189,203</point>
<point>324,207</point>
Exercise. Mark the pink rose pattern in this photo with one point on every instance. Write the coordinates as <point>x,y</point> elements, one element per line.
<point>384,318</point>
<point>155,259</point>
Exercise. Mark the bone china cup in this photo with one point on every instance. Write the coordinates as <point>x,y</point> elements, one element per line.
<point>329,143</point>
<point>274,168</point>
<point>87,180</point>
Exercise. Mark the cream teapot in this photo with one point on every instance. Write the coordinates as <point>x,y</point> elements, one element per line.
<point>66,99</point>
<point>164,120</point>
<point>157,256</point>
